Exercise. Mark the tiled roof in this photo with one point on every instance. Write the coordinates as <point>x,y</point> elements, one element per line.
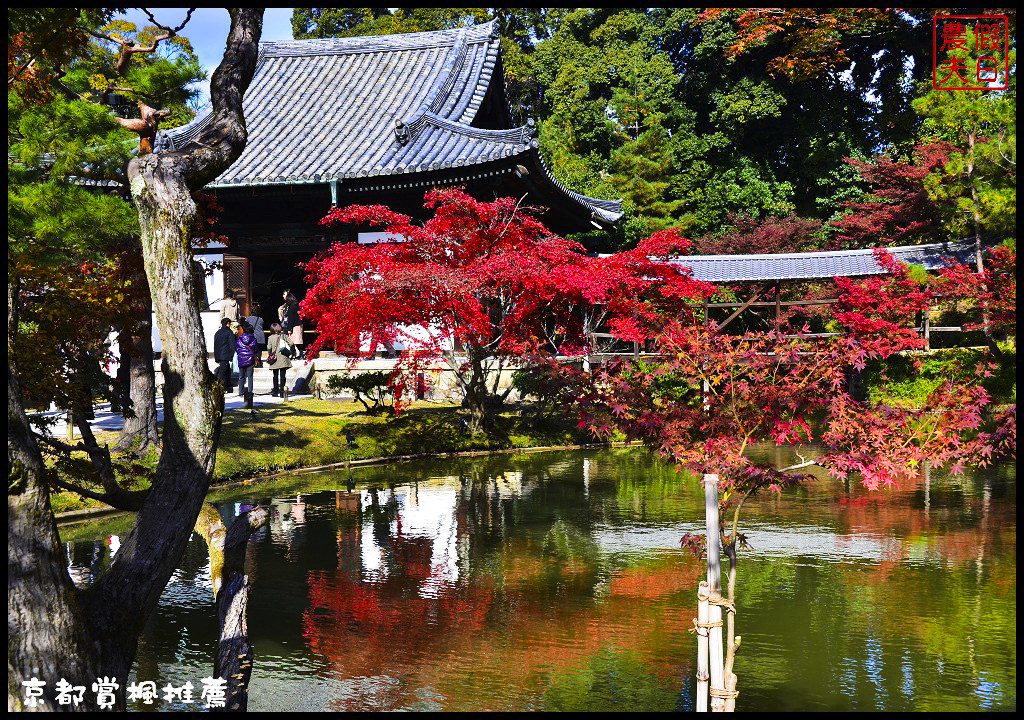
<point>349,108</point>
<point>821,264</point>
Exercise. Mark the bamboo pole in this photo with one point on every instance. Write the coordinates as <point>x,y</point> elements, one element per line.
<point>778,306</point>
<point>715,656</point>
<point>703,594</point>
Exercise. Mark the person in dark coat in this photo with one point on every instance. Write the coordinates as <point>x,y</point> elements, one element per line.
<point>246,362</point>
<point>224,347</point>
<point>288,314</point>
<point>281,362</point>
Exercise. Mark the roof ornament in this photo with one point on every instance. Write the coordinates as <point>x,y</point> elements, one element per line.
<point>528,131</point>
<point>401,132</point>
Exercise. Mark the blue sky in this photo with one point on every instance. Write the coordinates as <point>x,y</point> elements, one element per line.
<point>208,31</point>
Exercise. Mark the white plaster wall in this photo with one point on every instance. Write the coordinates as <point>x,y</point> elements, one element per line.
<point>209,317</point>
<point>366,238</point>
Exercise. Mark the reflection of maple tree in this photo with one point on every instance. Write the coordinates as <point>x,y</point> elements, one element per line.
<point>522,628</point>
<point>364,625</point>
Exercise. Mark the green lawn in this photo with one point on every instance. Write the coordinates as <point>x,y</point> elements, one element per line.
<point>308,433</point>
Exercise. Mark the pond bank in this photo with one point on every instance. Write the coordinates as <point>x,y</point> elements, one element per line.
<point>311,435</point>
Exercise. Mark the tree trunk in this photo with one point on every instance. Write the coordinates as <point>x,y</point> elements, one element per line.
<point>477,400</point>
<point>234,653</point>
<point>46,638</point>
<point>140,420</point>
<point>227,548</point>
<point>978,260</point>
<point>49,635</point>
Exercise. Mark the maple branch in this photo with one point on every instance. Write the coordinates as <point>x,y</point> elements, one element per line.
<point>35,56</point>
<point>805,463</point>
<point>510,218</point>
<point>23,68</point>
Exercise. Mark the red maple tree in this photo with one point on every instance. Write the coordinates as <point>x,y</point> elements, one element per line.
<point>751,236</point>
<point>483,286</point>
<point>710,398</point>
<point>897,210</point>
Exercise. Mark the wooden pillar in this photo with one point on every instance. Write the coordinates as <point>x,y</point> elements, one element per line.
<point>927,328</point>
<point>778,306</point>
<point>703,594</point>
<point>716,659</point>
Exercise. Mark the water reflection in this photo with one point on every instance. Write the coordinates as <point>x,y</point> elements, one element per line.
<point>555,581</point>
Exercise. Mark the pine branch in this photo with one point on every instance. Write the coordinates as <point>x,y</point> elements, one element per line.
<point>129,47</point>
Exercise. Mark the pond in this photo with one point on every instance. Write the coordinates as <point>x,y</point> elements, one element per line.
<point>555,581</point>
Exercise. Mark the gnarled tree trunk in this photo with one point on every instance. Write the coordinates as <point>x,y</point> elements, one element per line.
<point>54,631</point>
<point>46,638</point>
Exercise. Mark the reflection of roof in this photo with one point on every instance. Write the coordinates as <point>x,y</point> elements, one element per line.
<point>365,107</point>
<point>819,264</point>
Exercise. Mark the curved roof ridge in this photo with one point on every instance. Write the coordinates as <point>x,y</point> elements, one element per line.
<point>820,264</point>
<point>522,135</point>
<point>442,86</point>
<point>607,210</point>
<point>375,43</point>
<point>484,69</point>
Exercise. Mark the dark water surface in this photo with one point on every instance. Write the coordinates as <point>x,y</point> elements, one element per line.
<point>555,581</point>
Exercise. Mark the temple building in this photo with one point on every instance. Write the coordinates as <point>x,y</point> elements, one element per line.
<point>368,120</point>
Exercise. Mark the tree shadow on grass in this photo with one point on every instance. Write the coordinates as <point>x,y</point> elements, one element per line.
<point>417,431</point>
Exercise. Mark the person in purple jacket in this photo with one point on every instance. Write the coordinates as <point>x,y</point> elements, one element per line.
<point>246,363</point>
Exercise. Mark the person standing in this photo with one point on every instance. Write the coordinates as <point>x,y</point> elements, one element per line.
<point>257,330</point>
<point>277,361</point>
<point>288,314</point>
<point>246,363</point>
<point>229,306</point>
<point>224,347</point>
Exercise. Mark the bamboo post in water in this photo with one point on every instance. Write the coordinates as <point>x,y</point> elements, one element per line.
<point>703,594</point>
<point>715,655</point>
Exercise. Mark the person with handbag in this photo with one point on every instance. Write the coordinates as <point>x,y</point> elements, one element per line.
<point>291,323</point>
<point>278,348</point>
<point>257,329</point>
